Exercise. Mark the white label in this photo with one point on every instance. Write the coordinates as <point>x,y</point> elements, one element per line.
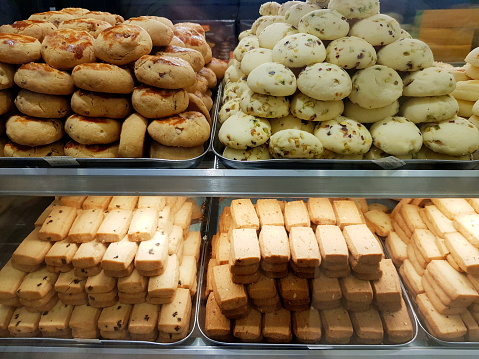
<point>56,161</point>
<point>389,163</point>
<point>87,340</point>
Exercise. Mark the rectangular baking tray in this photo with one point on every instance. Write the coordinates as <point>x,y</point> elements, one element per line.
<point>23,211</point>
<point>217,207</point>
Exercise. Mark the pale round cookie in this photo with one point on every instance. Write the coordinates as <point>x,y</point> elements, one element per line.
<point>34,28</point>
<point>193,57</point>
<point>160,33</point>
<point>426,154</point>
<point>254,58</point>
<point>375,86</point>
<point>113,19</point>
<point>153,102</point>
<point>378,29</point>
<point>453,137</point>
<point>351,53</point>
<point>297,11</point>
<point>77,150</point>
<point>295,144</point>
<point>92,26</point>
<point>307,108</point>
<point>266,106</point>
<point>12,149</point>
<point>196,104</point>
<point>325,24</point>
<point>55,17</point>
<point>187,129</point>
<point>467,90</point>
<point>459,73</point>
<point>175,72</point>
<point>92,130</point>
<point>325,82</point>
<point>366,115</point>
<point>250,154</point>
<point>32,131</point>
<point>406,55</point>
<point>43,78</point>
<point>299,50</point>
<point>355,9</point>
<point>375,153</point>
<point>322,3</point>
<point>158,150</point>
<point>7,73</point>
<point>286,6</point>
<point>429,109</point>
<point>19,49</point>
<point>245,33</point>
<point>41,105</point>
<point>260,23</point>
<point>396,136</point>
<point>63,49</point>
<point>272,79</point>
<point>218,66</point>
<point>465,108</point>
<point>473,57</point>
<point>248,43</point>
<point>132,136</point>
<point>228,109</point>
<point>475,108</point>
<point>472,71</point>
<point>6,101</point>
<point>101,77</point>
<point>100,104</point>
<point>241,131</point>
<point>344,136</point>
<point>474,120</point>
<point>233,73</point>
<point>291,122</point>
<point>404,34</point>
<point>274,33</point>
<point>431,81</point>
<point>122,44</point>
<point>269,8</point>
<point>234,90</point>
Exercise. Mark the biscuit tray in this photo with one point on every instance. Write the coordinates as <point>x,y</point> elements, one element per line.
<point>217,208</point>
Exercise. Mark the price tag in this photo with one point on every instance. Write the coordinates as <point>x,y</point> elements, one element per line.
<point>59,161</point>
<point>389,163</point>
<point>94,341</point>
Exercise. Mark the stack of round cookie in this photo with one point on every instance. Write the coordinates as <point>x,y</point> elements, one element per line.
<point>337,79</point>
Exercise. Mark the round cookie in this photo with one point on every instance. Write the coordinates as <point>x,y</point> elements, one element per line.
<point>194,40</point>
<point>160,33</point>
<point>19,49</point>
<point>260,23</point>
<point>210,76</point>
<point>307,108</point>
<point>193,57</point>
<point>325,24</point>
<point>241,131</point>
<point>375,153</point>
<point>355,9</point>
<point>113,19</point>
<point>63,49</point>
<point>472,71</point>
<point>175,41</point>
<point>325,82</point>
<point>34,28</point>
<point>77,150</point>
<point>122,44</point>
<point>473,57</point>
<point>466,90</point>
<point>396,136</point>
<point>228,109</point>
<point>299,50</point>
<point>76,12</point>
<point>274,33</point>
<point>6,101</point>
<point>266,106</point>
<point>233,73</point>
<point>7,73</point>
<point>187,129</point>
<point>218,66</point>
<point>158,150</point>
<point>378,30</point>
<point>234,90</point>
<point>429,109</point>
<point>40,105</point>
<point>132,136</point>
<point>475,108</point>
<point>91,26</point>
<point>453,137</point>
<point>248,43</point>
<point>286,6</point>
<point>295,144</point>
<point>250,154</point>
<point>474,119</point>
<point>200,85</point>
<point>294,14</point>
<point>290,122</point>
<point>15,150</point>
<point>196,104</point>
<point>101,77</point>
<point>344,136</point>
<point>190,26</point>
<point>92,130</point>
<point>207,100</point>
<point>32,131</point>
<point>269,8</point>
<point>245,33</point>
<point>459,73</point>
<point>153,102</point>
<point>366,115</point>
<point>55,17</point>
<point>254,58</point>
<point>465,108</point>
<point>351,53</point>
<point>431,81</point>
<point>426,154</point>
<point>406,55</point>
<point>272,79</point>
<point>42,78</point>
<point>99,104</point>
<point>375,86</point>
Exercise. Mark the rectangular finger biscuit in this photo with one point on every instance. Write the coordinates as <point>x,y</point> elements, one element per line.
<point>412,218</point>
<point>6,314</point>
<point>152,254</point>
<point>58,223</point>
<point>132,298</point>
<point>399,219</point>
<point>84,317</point>
<point>379,222</point>
<point>175,240</point>
<point>100,283</point>
<point>61,253</point>
<point>243,214</point>
<point>143,224</point>
<point>119,255</point>
<point>293,288</point>
<point>396,248</point>
<point>175,316</point>
<point>41,219</point>
<point>96,202</point>
<point>32,250</point>
<point>114,318</point>
<point>249,327</point>
<point>347,213</point>
<point>356,290</point>
<point>307,326</point>
<point>157,202</point>
<point>69,282</point>
<point>452,207</point>
<point>192,244</point>
<point>182,217</point>
<point>87,271</point>
<point>362,244</point>
<point>228,294</point>
<point>467,225</point>
<point>304,247</point>
<point>425,242</point>
<point>187,273</point>
<point>277,326</point>
<point>367,326</point>
<point>397,325</point>
<point>332,245</point>
<point>143,318</point>
<point>325,289</point>
<point>165,284</point>
<point>264,288</point>
<point>115,225</point>
<point>245,248</point>
<point>55,320</point>
<point>24,321</point>
<point>269,212</point>
<point>337,325</point>
<point>274,244</point>
<point>37,284</point>
<point>176,205</point>
<point>397,228</point>
<point>296,215</point>
<point>321,211</point>
<point>10,280</point>
<point>439,222</point>
<point>72,201</point>
<point>123,202</point>
<point>217,326</point>
<point>120,273</point>
<point>464,253</point>
<point>89,254</point>
<point>411,254</point>
<point>165,220</point>
<point>86,225</point>
<point>387,289</point>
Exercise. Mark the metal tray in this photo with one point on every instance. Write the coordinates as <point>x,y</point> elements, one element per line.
<point>216,207</point>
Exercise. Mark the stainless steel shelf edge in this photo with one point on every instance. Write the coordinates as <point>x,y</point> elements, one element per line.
<point>213,182</point>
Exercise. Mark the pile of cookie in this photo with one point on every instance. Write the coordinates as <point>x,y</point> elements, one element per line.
<point>311,271</point>
<point>435,243</point>
<point>337,79</point>
<point>90,84</point>
<point>111,267</point>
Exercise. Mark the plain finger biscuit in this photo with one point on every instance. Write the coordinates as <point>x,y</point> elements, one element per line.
<point>19,49</point>
<point>396,248</point>
<point>86,225</point>
<point>32,249</point>
<point>11,279</point>
<point>277,326</point>
<point>332,245</point>
<point>32,131</point>
<point>249,327</point>
<point>160,33</point>
<point>91,26</point>
<point>153,102</point>
<point>347,213</point>
<point>466,224</point>
<point>115,225</point>
<point>92,130</point>
<point>101,77</point>
<point>368,326</point>
<point>94,104</point>
<point>42,78</point>
<point>337,325</point>
<point>89,254</point>
<point>269,212</point>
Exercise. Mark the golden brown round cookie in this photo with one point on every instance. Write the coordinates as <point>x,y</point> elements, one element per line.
<point>100,77</point>
<point>76,12</point>
<point>196,42</point>
<point>92,130</point>
<point>41,105</point>
<point>43,78</point>
<point>33,131</point>
<point>132,137</point>
<point>209,54</point>
<point>164,72</point>
<point>65,48</point>
<point>193,57</point>
<point>34,28</point>
<point>122,44</point>
<point>77,150</point>
<point>191,26</point>
<point>200,85</point>
<point>218,66</point>
<point>158,150</point>
<point>12,149</point>
<point>19,49</point>
<point>113,19</point>
<point>153,102</point>
<point>160,33</point>
<point>55,17</point>
<point>209,75</point>
<point>196,104</point>
<point>100,104</point>
<point>188,129</point>
<point>92,26</point>
<point>175,41</point>
<point>207,100</point>
<point>6,101</point>
<point>7,73</point>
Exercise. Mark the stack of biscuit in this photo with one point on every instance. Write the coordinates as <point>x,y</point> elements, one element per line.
<point>336,80</point>
<point>296,295</point>
<point>69,86</point>
<point>435,243</point>
<point>116,259</point>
